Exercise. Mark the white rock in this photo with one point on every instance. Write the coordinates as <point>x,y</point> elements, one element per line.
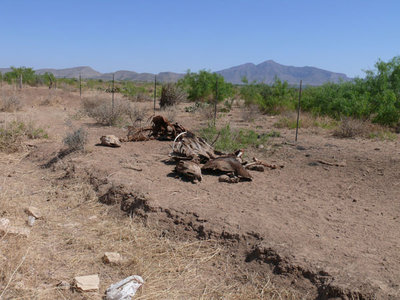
<point>31,221</point>
<point>33,211</point>
<point>125,289</point>
<point>110,141</point>
<point>112,257</point>
<point>4,222</point>
<point>87,283</point>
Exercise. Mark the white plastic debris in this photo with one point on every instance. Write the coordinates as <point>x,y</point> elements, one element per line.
<point>125,289</point>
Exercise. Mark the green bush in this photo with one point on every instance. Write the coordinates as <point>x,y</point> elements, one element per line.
<point>270,99</point>
<point>230,140</point>
<point>202,86</point>
<point>376,97</point>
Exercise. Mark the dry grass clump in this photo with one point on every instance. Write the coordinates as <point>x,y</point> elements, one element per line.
<point>350,127</point>
<point>137,114</point>
<point>14,133</point>
<point>104,112</point>
<point>171,95</point>
<point>307,120</point>
<point>170,112</point>
<point>249,113</point>
<point>76,231</point>
<point>50,99</point>
<point>140,97</point>
<point>206,111</point>
<point>76,140</point>
<point>10,103</point>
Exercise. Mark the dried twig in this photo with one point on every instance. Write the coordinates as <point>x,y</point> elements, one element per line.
<point>15,271</point>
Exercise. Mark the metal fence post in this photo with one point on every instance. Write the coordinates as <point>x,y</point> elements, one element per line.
<point>298,111</point>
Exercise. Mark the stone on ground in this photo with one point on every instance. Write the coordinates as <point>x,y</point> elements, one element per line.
<point>110,141</point>
<point>33,211</point>
<point>88,283</point>
<point>112,258</point>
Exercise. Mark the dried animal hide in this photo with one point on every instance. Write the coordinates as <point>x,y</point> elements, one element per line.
<point>188,146</point>
<point>189,169</point>
<point>227,164</point>
<point>161,129</point>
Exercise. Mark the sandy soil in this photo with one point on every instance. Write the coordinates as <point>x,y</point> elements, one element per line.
<point>326,224</point>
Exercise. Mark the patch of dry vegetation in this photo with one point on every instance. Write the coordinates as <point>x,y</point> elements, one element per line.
<point>171,95</point>
<point>10,103</point>
<point>249,113</point>
<point>137,115</point>
<point>170,112</point>
<point>52,98</point>
<point>351,128</point>
<point>307,120</point>
<point>14,133</point>
<point>101,109</point>
<point>76,140</point>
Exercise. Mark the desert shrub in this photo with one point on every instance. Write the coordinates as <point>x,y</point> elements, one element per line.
<point>276,98</point>
<point>171,94</point>
<point>229,140</point>
<point>28,75</point>
<point>272,99</point>
<point>195,107</point>
<point>287,122</point>
<point>206,111</point>
<point>383,135</point>
<point>141,97</point>
<point>376,97</point>
<point>170,112</point>
<point>76,140</point>
<point>134,91</point>
<point>250,93</point>
<point>349,128</point>
<point>227,107</point>
<point>307,120</point>
<point>10,103</point>
<point>136,114</point>
<point>103,111</point>
<point>249,113</point>
<point>13,134</point>
<point>202,86</point>
<point>388,111</point>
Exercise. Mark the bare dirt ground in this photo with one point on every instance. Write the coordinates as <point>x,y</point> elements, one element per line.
<point>326,225</point>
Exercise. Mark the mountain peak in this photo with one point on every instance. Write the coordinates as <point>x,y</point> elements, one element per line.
<point>263,72</point>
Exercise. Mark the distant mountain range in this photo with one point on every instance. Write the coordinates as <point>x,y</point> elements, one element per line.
<point>263,72</point>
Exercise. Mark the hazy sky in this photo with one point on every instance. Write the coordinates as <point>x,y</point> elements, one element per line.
<point>153,36</point>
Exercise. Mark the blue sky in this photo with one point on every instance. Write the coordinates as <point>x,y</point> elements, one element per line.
<point>153,36</point>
